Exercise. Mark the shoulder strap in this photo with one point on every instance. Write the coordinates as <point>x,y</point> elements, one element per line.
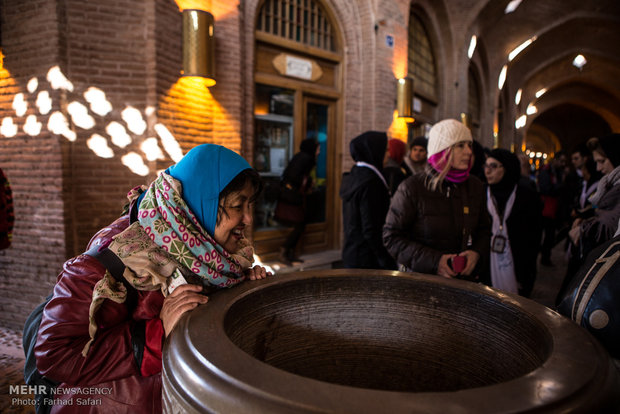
<point>109,260</point>
<point>467,216</point>
<point>116,267</point>
<point>598,270</point>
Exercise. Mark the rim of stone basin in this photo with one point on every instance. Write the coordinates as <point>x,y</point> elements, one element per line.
<point>224,378</point>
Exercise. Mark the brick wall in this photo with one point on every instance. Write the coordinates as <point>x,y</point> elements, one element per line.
<point>107,47</point>
<point>64,192</point>
<point>132,51</point>
<point>33,164</point>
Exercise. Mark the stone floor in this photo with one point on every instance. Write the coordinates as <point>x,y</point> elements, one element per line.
<point>12,357</point>
<point>11,373</point>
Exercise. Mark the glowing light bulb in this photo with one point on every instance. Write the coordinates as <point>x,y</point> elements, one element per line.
<point>520,48</point>
<point>579,61</point>
<point>531,109</point>
<point>512,6</point>
<point>472,46</point>
<point>502,77</point>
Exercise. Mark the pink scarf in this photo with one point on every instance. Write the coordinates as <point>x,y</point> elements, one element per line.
<point>438,162</point>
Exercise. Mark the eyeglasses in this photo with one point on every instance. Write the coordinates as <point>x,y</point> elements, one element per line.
<point>493,166</point>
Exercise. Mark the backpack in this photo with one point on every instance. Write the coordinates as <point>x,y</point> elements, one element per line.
<point>593,296</point>
<point>43,387</point>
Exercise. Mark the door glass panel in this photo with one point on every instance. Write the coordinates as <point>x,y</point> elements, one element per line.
<point>273,116</point>
<point>316,127</point>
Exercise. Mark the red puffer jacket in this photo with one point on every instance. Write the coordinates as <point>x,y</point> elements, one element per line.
<point>122,370</point>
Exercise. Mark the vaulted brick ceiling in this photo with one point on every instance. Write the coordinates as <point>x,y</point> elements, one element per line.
<point>578,103</point>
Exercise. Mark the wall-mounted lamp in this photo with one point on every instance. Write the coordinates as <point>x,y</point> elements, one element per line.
<point>199,45</point>
<point>2,54</point>
<point>466,119</point>
<point>404,99</point>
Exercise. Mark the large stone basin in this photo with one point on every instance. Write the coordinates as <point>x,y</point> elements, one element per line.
<point>361,341</point>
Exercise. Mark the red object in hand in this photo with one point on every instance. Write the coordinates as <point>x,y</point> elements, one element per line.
<point>459,263</point>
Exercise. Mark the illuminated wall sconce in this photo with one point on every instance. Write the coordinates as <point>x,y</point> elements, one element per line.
<point>404,99</point>
<point>2,54</point>
<point>199,45</point>
<point>466,119</point>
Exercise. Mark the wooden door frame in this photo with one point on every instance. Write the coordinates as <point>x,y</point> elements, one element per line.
<point>332,212</point>
<point>309,93</point>
<point>326,90</point>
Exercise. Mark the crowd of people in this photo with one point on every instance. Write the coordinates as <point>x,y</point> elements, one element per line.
<point>450,207</point>
<point>444,206</point>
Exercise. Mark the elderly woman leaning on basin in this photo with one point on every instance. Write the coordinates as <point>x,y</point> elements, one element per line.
<point>189,224</point>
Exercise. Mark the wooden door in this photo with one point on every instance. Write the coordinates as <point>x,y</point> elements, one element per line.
<point>318,122</point>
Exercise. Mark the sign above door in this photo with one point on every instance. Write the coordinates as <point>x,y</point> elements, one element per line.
<point>296,67</point>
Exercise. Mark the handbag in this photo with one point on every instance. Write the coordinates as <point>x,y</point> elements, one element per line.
<point>288,214</point>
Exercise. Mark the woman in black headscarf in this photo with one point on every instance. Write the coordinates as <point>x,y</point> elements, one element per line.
<point>365,202</point>
<point>516,212</point>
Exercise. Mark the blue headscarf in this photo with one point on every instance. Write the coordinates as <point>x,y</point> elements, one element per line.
<point>204,172</point>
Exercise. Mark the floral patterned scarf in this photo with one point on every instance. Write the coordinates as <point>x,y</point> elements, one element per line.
<point>166,236</point>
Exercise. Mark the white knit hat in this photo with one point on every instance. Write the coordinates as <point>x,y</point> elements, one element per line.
<point>446,133</point>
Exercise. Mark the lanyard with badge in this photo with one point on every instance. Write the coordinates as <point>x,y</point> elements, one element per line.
<point>498,242</point>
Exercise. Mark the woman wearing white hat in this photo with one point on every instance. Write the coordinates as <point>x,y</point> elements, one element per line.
<point>438,222</point>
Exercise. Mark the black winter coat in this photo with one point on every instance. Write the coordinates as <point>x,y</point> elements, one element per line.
<point>422,225</point>
<point>365,202</point>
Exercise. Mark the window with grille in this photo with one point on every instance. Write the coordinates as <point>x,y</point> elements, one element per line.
<point>421,60</point>
<point>303,21</point>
